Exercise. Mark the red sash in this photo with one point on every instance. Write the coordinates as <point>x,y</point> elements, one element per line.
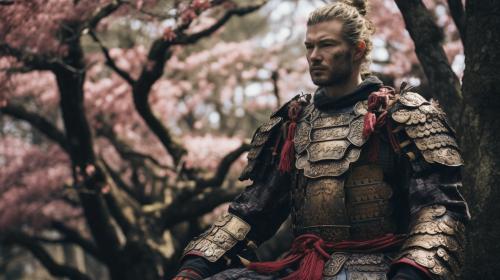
<point>312,252</point>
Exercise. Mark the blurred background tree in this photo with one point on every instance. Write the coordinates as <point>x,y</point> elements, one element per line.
<point>124,123</point>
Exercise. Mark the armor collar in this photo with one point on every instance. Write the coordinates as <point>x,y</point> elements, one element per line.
<point>369,85</point>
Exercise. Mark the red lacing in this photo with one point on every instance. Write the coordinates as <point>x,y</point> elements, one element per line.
<point>287,157</point>
<point>311,252</point>
<point>378,102</point>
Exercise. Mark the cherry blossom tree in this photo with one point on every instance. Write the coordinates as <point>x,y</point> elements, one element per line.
<point>110,162</point>
<point>124,122</point>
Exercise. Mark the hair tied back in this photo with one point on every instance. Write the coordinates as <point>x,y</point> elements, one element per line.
<point>360,5</point>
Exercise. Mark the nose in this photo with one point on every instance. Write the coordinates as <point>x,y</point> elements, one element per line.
<point>315,55</point>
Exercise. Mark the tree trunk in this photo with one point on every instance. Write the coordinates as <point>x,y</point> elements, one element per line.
<point>481,138</point>
<point>126,259</point>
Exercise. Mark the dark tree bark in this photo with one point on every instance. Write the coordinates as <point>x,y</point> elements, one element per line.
<point>428,38</point>
<point>38,122</point>
<point>481,142</point>
<point>474,112</point>
<point>31,244</point>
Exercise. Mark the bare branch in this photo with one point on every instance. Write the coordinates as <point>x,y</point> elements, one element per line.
<point>428,38</point>
<point>218,178</point>
<point>117,212</point>
<point>276,90</point>
<point>109,60</point>
<point>158,55</point>
<point>457,12</point>
<point>183,39</point>
<point>120,183</point>
<point>6,2</point>
<point>103,13</point>
<point>54,268</point>
<point>73,236</point>
<point>14,70</point>
<point>125,150</point>
<point>38,122</point>
<point>32,60</point>
<point>141,92</point>
<point>196,207</point>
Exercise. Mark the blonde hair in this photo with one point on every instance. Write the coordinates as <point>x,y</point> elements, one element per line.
<point>355,26</point>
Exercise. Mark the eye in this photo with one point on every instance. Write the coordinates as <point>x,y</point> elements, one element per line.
<point>309,46</point>
<point>326,44</point>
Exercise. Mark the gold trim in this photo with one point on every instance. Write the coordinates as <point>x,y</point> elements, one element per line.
<point>329,133</point>
<point>426,125</point>
<point>412,99</point>
<point>335,149</point>
<point>448,156</point>
<point>226,231</point>
<point>435,141</point>
<point>356,132</point>
<point>436,241</point>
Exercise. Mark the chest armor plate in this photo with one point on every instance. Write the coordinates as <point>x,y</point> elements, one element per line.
<point>335,196</point>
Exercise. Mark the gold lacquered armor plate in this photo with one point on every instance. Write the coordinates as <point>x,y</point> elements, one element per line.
<point>426,124</point>
<point>331,168</point>
<point>334,141</point>
<point>338,119</point>
<point>330,133</point>
<point>327,150</point>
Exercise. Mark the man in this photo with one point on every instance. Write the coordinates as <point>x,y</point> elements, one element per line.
<point>369,177</point>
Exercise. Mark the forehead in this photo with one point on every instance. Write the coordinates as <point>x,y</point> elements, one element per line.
<point>324,30</point>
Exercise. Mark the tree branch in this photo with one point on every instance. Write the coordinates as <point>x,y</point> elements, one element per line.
<point>73,236</point>
<point>32,60</point>
<point>276,90</point>
<point>428,37</point>
<point>196,207</point>
<point>182,39</point>
<point>38,122</point>
<point>120,183</point>
<point>457,12</point>
<point>89,177</point>
<point>117,213</point>
<point>109,60</point>
<point>15,70</point>
<point>6,2</point>
<point>158,55</point>
<point>125,150</point>
<point>103,13</point>
<point>218,178</point>
<point>54,268</point>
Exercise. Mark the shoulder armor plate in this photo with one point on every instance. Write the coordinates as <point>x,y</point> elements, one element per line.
<point>266,134</point>
<point>426,125</point>
<point>261,138</point>
<point>412,99</point>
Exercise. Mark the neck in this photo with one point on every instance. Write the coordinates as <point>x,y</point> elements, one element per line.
<point>345,88</point>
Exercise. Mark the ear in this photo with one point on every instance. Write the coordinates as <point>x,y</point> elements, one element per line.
<point>360,50</point>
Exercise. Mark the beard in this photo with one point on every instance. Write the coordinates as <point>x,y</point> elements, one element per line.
<point>336,74</point>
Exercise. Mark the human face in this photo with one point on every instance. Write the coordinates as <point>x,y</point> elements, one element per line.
<point>329,56</point>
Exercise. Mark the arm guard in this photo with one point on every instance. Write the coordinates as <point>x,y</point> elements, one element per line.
<point>257,212</point>
<point>219,238</point>
<point>436,236</point>
<point>436,242</point>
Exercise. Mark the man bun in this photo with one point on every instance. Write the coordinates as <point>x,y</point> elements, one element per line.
<point>360,5</point>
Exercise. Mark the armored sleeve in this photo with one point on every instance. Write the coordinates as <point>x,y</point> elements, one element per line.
<point>256,214</point>
<point>438,212</point>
